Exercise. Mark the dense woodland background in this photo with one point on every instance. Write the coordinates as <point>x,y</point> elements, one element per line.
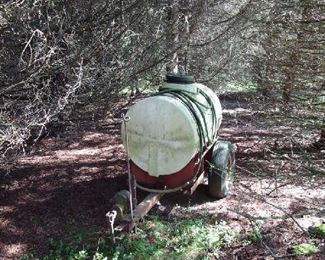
<point>62,59</point>
<point>58,56</point>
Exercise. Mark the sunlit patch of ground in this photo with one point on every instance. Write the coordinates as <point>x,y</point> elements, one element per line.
<point>13,250</point>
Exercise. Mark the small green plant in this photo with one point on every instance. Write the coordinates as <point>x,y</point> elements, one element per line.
<point>304,249</point>
<point>27,256</point>
<point>256,235</point>
<point>317,231</point>
<point>76,250</point>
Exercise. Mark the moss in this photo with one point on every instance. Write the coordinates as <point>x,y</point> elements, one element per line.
<point>304,249</point>
<point>317,231</point>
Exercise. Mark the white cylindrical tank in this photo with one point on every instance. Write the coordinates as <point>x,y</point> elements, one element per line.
<point>166,130</point>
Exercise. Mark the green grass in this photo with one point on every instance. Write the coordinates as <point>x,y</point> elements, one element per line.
<point>256,234</point>
<point>154,239</point>
<point>241,87</point>
<point>144,87</point>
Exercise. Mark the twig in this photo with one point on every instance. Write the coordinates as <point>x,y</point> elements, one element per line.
<point>309,168</point>
<point>261,198</point>
<point>251,220</point>
<point>279,186</point>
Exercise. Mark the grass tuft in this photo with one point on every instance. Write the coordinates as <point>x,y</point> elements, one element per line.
<point>304,249</point>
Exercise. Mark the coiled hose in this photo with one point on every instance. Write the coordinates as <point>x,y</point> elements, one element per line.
<point>193,106</point>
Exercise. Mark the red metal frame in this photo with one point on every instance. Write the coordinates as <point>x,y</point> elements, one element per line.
<point>173,180</point>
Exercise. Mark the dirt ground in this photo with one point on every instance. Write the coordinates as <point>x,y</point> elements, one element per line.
<point>66,183</point>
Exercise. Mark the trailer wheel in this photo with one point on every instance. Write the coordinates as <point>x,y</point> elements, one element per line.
<point>222,169</point>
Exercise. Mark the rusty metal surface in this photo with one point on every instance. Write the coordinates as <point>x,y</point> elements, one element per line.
<point>198,181</point>
<point>139,212</point>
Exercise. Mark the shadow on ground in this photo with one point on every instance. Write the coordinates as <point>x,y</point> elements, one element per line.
<point>66,184</point>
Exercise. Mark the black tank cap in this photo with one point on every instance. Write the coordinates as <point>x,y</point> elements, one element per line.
<point>179,79</point>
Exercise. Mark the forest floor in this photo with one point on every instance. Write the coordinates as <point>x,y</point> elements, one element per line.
<point>64,186</point>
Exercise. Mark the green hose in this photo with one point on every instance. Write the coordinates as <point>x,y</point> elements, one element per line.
<point>193,105</point>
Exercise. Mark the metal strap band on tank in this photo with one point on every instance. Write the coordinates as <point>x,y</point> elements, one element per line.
<point>164,190</point>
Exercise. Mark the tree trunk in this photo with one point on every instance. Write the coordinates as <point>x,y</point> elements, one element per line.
<point>322,135</point>
<point>290,76</point>
<point>172,37</point>
<point>184,37</point>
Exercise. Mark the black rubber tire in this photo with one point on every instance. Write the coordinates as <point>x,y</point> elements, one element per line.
<point>179,79</point>
<point>222,169</point>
